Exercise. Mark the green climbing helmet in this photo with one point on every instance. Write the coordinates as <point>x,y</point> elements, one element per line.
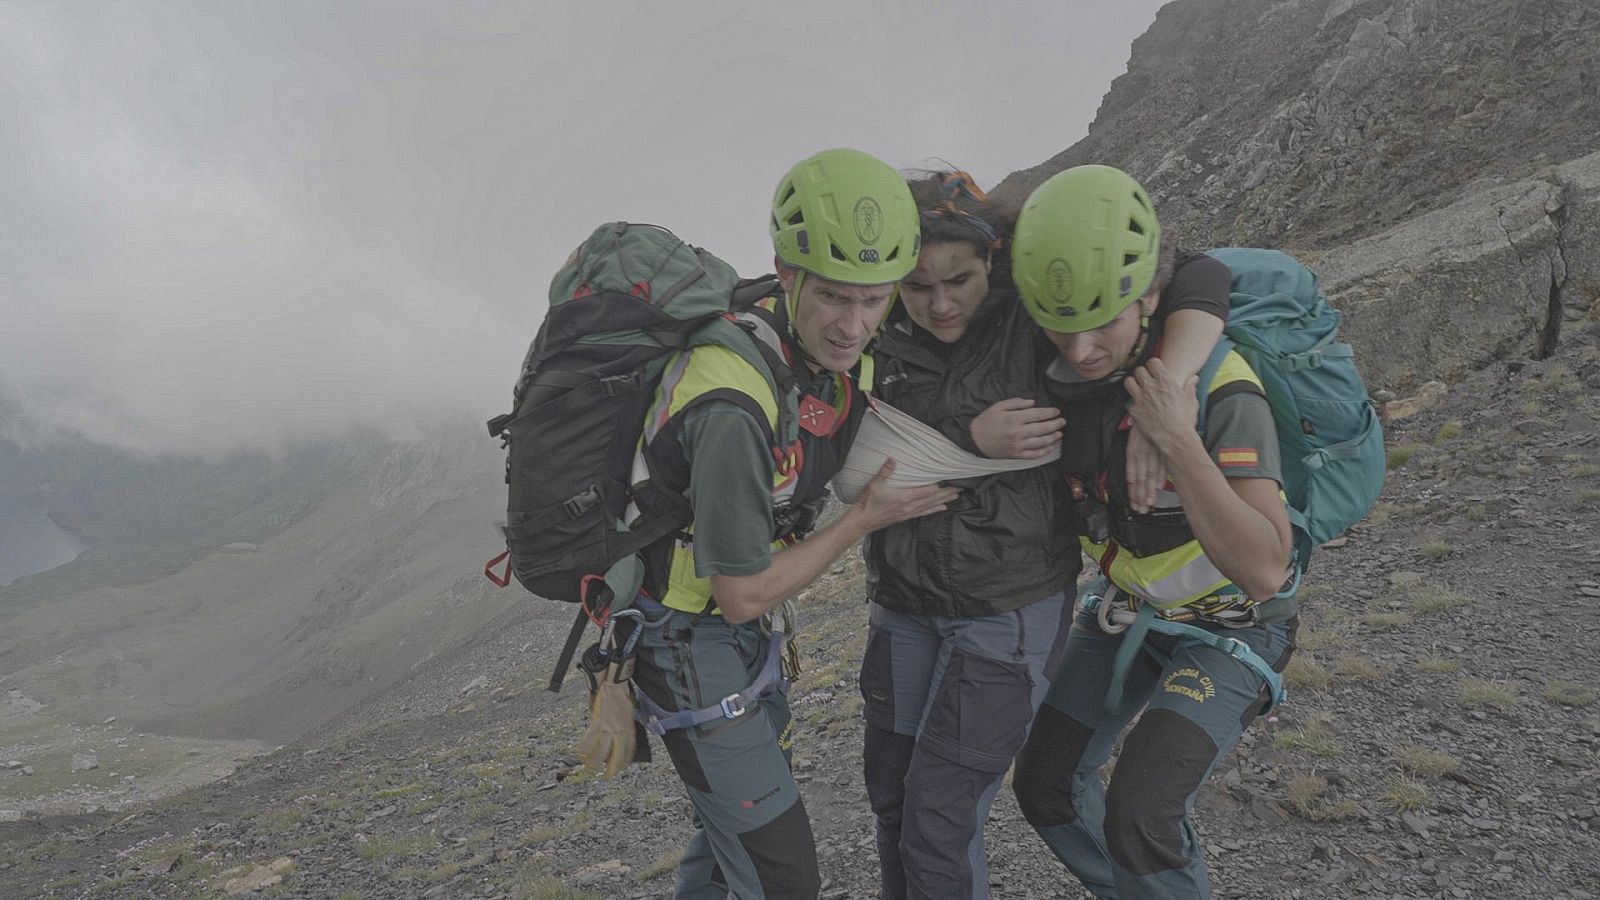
<point>848,217</point>
<point>1086,247</point>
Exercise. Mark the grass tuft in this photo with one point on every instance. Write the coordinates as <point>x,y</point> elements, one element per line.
<point>1438,665</point>
<point>388,846</point>
<point>1431,598</point>
<point>551,832</point>
<point>1425,762</point>
<point>282,819</point>
<point>1380,514</point>
<point>1449,431</point>
<point>665,864</point>
<point>1386,621</point>
<point>1315,736</point>
<point>1436,549</point>
<point>1568,693</point>
<point>1406,794</point>
<point>1477,692</point>
<point>1305,674</point>
<point>1588,495</point>
<point>1400,454</point>
<point>1359,668</point>
<point>1317,639</point>
<point>538,886</point>
<point>1308,794</point>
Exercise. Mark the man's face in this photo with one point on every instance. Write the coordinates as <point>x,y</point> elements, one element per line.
<point>1097,354</point>
<point>834,320</point>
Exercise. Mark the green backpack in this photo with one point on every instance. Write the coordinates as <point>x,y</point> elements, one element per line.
<point>625,300</point>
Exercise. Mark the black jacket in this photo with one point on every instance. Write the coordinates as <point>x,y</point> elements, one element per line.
<point>1000,546</point>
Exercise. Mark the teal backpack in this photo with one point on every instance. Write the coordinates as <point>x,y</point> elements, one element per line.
<point>1328,430</point>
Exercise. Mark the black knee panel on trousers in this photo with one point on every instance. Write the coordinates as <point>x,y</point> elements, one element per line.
<point>1163,762</point>
<point>885,758</point>
<point>785,856</point>
<point>978,715</point>
<point>877,680</point>
<point>1043,781</point>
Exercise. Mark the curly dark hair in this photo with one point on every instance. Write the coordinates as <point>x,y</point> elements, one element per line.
<point>954,209</point>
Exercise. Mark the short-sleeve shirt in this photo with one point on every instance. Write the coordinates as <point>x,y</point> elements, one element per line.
<point>1241,437</point>
<point>730,489</point>
<point>1198,282</point>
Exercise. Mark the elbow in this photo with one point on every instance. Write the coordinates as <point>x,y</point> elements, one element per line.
<point>1258,591</point>
<point>1264,582</point>
<point>736,613</point>
<point>738,608</point>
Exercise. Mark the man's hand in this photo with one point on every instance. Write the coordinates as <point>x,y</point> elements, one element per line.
<point>1147,471</point>
<point>744,597</point>
<point>1016,429</point>
<point>1163,408</point>
<point>880,505</point>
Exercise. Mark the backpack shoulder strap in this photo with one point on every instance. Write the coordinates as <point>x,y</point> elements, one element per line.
<point>866,372</point>
<point>750,291</point>
<point>1208,375</point>
<point>712,371</point>
<point>761,325</point>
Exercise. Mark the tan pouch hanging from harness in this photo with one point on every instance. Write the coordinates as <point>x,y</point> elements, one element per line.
<point>614,737</point>
<point>784,618</point>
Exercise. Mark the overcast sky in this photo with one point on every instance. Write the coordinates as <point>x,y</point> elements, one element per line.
<point>228,224</point>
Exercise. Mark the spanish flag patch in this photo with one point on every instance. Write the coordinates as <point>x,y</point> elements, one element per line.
<point>1237,457</point>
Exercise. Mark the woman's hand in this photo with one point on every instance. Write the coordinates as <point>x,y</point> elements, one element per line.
<point>1163,408</point>
<point>1016,429</point>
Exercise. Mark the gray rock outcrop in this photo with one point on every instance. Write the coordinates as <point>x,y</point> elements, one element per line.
<point>1500,271</point>
<point>1431,158</point>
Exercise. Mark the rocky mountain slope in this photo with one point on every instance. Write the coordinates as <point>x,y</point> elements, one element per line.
<point>1318,122</point>
<point>1442,738</point>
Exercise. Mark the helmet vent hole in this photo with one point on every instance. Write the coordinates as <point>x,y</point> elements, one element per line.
<point>892,255</point>
<point>1095,305</point>
<point>788,195</point>
<point>1135,227</point>
<point>1129,259</point>
<point>836,253</point>
<point>798,218</point>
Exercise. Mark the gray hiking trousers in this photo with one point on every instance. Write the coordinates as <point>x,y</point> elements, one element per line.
<point>948,702</point>
<point>752,838</point>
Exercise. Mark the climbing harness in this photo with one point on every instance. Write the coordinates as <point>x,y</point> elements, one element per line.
<point>658,720</point>
<point>1117,612</point>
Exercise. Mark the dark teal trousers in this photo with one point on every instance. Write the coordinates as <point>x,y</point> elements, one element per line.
<point>1132,839</point>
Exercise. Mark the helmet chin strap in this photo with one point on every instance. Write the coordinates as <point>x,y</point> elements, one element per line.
<point>791,303</point>
<point>1134,354</point>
